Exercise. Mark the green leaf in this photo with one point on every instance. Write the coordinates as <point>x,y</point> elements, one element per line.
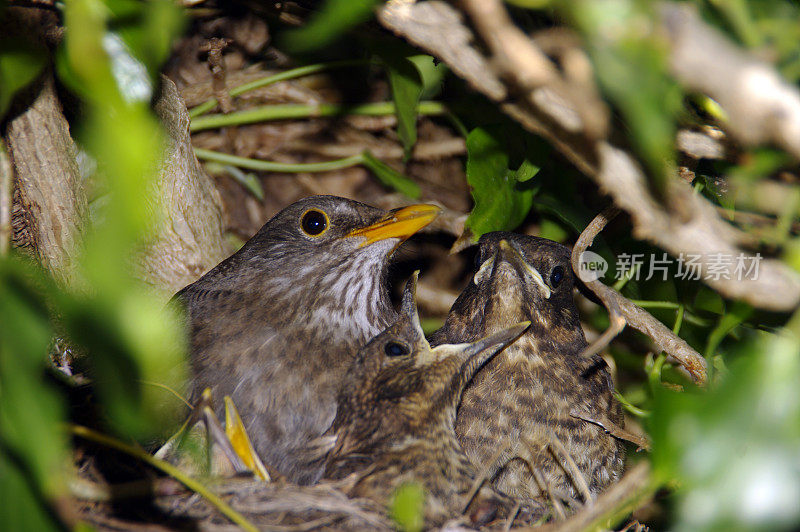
<point>390,177</point>
<point>31,412</point>
<point>327,25</point>
<point>20,63</point>
<point>708,300</point>
<point>431,74</point>
<point>408,507</point>
<point>501,200</point>
<point>21,507</point>
<point>406,84</point>
<point>130,339</point>
<point>147,29</point>
<point>733,449</point>
<point>738,312</point>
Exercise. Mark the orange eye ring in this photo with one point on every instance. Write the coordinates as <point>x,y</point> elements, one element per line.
<point>314,223</point>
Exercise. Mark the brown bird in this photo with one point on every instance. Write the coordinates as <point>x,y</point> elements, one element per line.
<point>394,423</point>
<point>535,390</point>
<point>276,325</point>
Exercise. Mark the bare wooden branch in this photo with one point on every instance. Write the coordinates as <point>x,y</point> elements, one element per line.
<point>613,429</point>
<point>6,199</point>
<point>575,106</point>
<point>675,347</point>
<point>760,106</point>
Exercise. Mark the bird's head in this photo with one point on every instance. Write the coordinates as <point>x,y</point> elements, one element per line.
<point>399,386</point>
<point>319,230</point>
<point>519,277</point>
<point>332,253</point>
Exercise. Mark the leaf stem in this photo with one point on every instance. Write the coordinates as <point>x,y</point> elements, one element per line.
<point>275,78</point>
<point>272,166</point>
<point>289,111</point>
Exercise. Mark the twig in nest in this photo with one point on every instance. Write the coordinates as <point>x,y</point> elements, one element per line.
<point>215,47</point>
<point>624,496</point>
<point>486,473</point>
<point>613,429</point>
<point>545,487</point>
<point>557,448</point>
<point>511,516</point>
<point>621,308</point>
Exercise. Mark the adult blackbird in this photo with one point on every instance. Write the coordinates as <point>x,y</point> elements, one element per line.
<point>276,325</point>
<point>533,395</point>
<point>394,423</point>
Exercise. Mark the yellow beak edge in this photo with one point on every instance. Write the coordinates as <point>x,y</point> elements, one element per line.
<point>399,223</point>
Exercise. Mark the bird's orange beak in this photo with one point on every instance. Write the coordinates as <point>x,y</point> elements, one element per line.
<point>399,223</point>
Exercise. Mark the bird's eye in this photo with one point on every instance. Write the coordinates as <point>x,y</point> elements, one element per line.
<point>395,349</point>
<point>556,276</point>
<point>314,222</point>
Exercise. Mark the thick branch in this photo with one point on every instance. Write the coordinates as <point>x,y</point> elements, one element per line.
<point>761,107</point>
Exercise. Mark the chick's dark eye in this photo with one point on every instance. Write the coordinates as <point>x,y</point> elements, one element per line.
<point>394,349</point>
<point>314,222</point>
<point>556,276</point>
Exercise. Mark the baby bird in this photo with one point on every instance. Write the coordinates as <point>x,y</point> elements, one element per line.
<point>276,325</point>
<point>528,398</point>
<point>396,415</point>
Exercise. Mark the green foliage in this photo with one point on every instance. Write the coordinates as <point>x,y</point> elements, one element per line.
<point>31,411</point>
<point>137,340</point>
<point>408,507</point>
<point>733,450</point>
<point>501,183</point>
<point>389,177</point>
<point>127,337</point>
<point>406,84</point>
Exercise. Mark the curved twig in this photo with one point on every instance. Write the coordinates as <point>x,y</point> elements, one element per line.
<point>620,308</point>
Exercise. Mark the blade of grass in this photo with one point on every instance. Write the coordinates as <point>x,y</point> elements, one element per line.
<point>294,73</point>
<point>387,175</point>
<point>271,166</point>
<point>294,111</point>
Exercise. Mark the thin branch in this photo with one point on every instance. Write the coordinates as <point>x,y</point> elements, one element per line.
<point>6,199</point>
<point>275,78</point>
<point>620,307</point>
<point>577,107</point>
<point>570,467</point>
<point>613,429</point>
